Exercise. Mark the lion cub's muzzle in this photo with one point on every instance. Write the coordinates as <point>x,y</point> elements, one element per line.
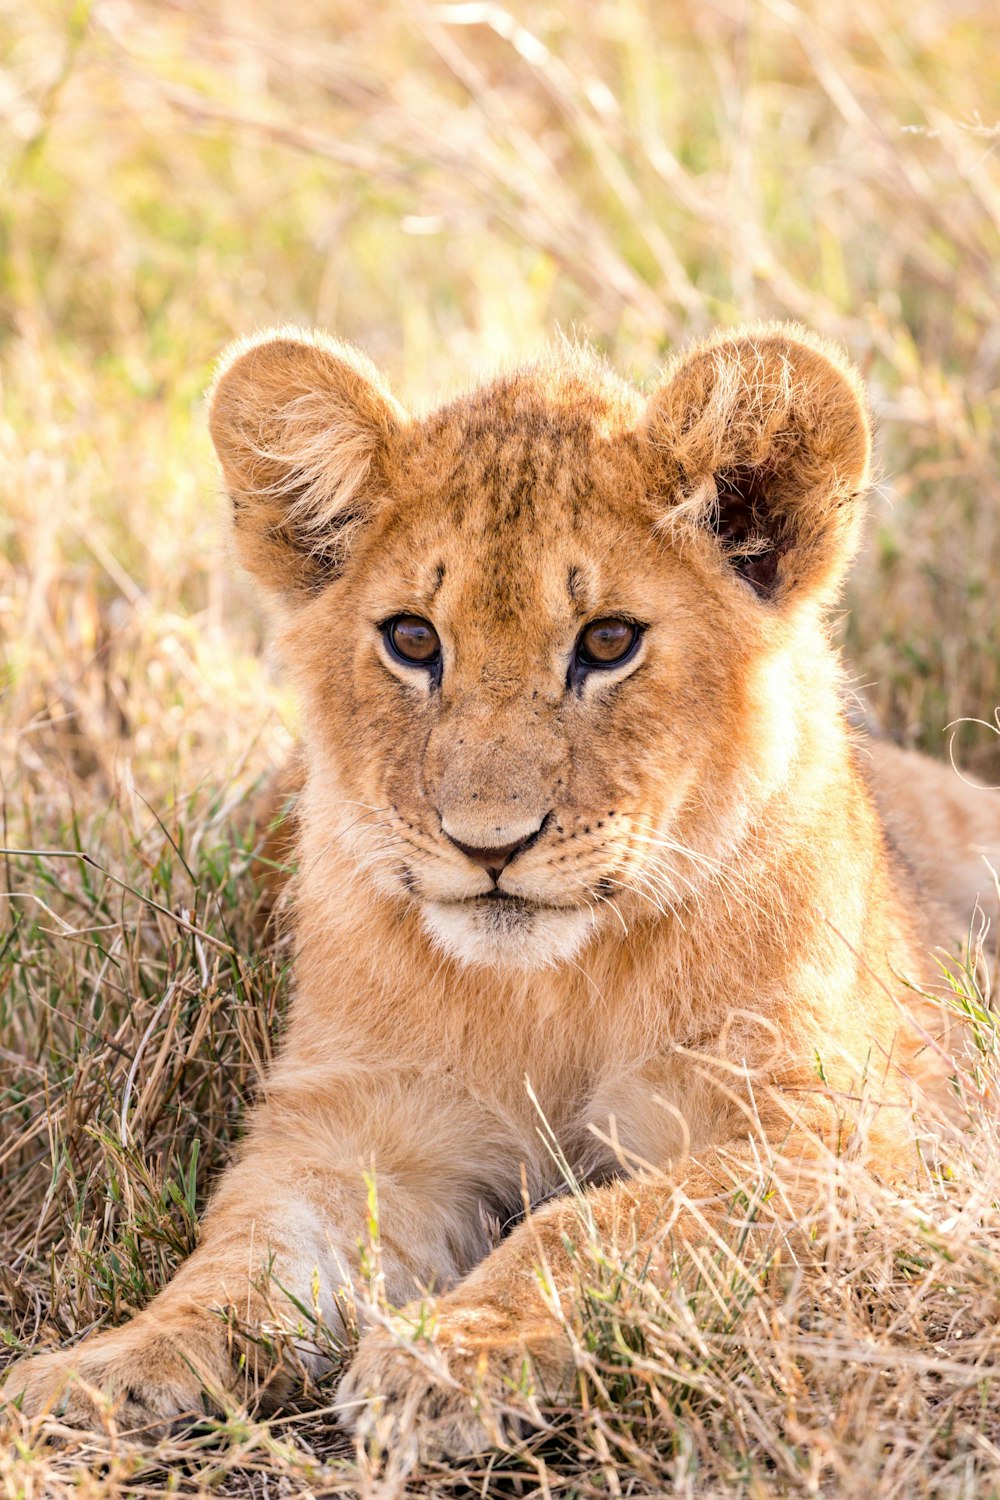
<point>525,919</point>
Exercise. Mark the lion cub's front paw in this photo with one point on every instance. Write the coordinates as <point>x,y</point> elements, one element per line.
<point>140,1379</point>
<point>456,1383</point>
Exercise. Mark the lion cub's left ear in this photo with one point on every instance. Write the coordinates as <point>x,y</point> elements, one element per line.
<point>763,442</point>
<point>303,426</point>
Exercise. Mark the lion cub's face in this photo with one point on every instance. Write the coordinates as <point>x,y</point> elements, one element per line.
<point>542,634</point>
<point>490,676</point>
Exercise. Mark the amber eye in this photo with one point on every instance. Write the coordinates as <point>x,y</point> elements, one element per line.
<point>412,640</point>
<point>607,643</point>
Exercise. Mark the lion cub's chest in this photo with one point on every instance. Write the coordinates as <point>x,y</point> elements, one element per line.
<point>592,1117</point>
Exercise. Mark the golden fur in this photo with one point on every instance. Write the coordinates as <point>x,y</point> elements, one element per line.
<point>699,960</point>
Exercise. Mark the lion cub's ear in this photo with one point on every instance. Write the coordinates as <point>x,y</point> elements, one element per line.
<point>303,426</point>
<point>763,438</point>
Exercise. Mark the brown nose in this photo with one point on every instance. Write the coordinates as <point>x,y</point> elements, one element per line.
<point>495,860</point>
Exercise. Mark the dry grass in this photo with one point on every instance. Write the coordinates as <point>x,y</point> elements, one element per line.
<point>444,184</point>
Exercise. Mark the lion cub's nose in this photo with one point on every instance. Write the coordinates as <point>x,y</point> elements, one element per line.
<point>494,860</point>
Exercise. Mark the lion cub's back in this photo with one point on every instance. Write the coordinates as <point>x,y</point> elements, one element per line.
<point>945,826</point>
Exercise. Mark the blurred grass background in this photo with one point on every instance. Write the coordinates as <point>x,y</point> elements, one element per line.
<point>444,184</point>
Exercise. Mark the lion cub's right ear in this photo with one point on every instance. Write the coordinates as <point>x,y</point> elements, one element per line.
<point>303,426</point>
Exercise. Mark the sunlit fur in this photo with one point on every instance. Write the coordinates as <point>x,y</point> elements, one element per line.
<point>700,960</point>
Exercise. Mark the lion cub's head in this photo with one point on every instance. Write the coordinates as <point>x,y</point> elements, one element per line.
<point>557,643</point>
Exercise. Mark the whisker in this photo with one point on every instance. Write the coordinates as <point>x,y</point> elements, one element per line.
<point>590,980</point>
<point>724,876</point>
<point>668,911</point>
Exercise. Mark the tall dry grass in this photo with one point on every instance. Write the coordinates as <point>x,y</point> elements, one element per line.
<point>445,184</point>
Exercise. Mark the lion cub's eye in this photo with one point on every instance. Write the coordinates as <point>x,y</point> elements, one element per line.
<point>607,643</point>
<point>412,640</point>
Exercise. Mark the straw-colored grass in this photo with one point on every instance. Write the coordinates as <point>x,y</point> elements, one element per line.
<point>446,184</point>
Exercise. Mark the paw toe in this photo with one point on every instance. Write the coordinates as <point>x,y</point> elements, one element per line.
<point>83,1388</point>
<point>400,1397</point>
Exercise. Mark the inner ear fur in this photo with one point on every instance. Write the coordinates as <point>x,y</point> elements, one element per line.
<point>762,438</point>
<point>303,426</point>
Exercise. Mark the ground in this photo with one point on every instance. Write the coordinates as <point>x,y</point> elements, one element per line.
<point>447,186</point>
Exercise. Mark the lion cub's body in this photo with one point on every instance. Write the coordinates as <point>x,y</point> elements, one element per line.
<point>696,956</point>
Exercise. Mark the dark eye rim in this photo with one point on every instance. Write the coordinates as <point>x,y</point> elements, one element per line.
<point>581,661</point>
<point>431,664</point>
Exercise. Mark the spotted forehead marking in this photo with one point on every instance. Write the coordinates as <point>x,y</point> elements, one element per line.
<point>436,581</point>
<point>516,490</point>
<point>511,483</point>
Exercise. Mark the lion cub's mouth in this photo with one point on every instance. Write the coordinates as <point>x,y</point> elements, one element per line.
<point>499,901</point>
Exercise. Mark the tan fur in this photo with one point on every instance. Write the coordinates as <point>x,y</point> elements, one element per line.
<point>705,965</point>
<point>942,820</point>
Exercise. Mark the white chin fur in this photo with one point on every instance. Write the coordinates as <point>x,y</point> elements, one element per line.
<point>500,937</point>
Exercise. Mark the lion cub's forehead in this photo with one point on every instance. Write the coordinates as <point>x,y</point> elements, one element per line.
<point>520,482</point>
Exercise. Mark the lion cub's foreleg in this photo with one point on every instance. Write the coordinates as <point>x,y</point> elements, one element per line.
<point>466,1372</point>
<point>281,1236</point>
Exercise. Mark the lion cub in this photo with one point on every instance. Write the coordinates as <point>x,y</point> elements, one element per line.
<point>579,807</point>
